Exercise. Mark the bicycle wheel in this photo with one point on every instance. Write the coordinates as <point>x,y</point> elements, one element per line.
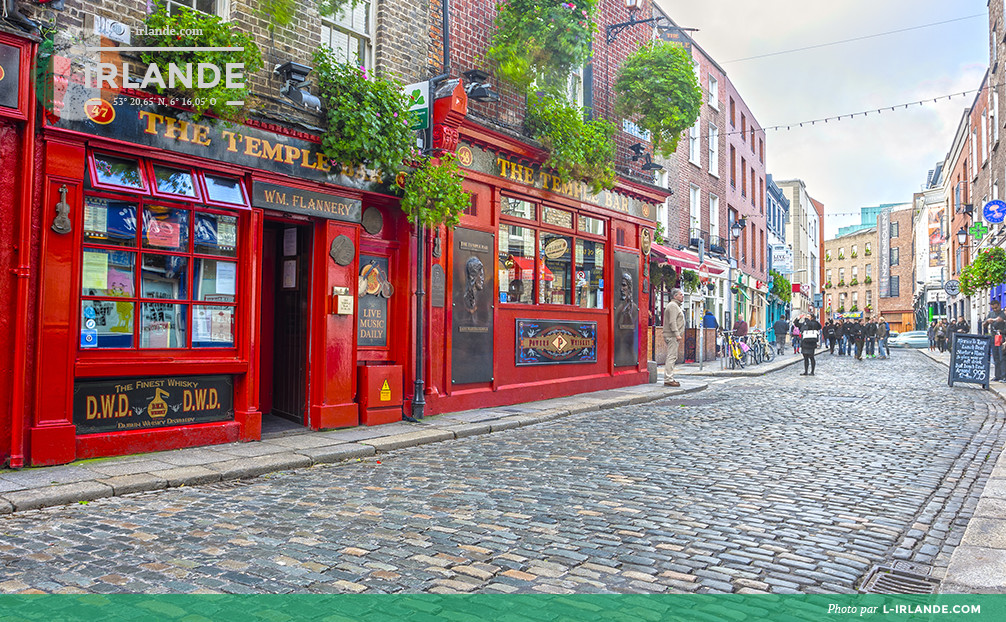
<point>769,353</point>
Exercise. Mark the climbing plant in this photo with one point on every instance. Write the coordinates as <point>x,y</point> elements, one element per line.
<point>578,149</point>
<point>433,192</point>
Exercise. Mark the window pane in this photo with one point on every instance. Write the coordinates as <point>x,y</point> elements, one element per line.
<point>107,273</point>
<point>163,325</point>
<point>174,181</point>
<point>224,190</point>
<point>516,259</point>
<point>109,222</point>
<point>216,234</point>
<point>518,208</point>
<point>106,324</point>
<point>589,274</point>
<point>591,225</point>
<point>165,227</point>
<point>556,269</point>
<point>164,276</point>
<point>557,217</point>
<point>118,172</point>
<point>215,281</point>
<point>212,327</point>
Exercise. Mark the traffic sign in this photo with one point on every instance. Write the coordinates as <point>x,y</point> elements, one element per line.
<point>703,273</point>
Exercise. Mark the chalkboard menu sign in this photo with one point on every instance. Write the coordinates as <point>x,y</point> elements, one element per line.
<point>969,359</point>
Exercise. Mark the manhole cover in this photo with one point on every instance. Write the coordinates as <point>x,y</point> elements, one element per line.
<point>889,580</point>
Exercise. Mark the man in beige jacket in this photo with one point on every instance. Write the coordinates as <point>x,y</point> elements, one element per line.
<point>674,334</point>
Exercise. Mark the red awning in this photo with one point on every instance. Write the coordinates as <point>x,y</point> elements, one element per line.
<point>681,259</point>
<point>527,269</point>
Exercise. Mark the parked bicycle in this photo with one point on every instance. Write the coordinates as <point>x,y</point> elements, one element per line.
<point>761,350</point>
<point>736,350</point>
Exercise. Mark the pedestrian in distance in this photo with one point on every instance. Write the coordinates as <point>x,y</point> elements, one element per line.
<point>831,335</point>
<point>780,327</point>
<point>995,326</point>
<point>810,334</point>
<point>871,338</point>
<point>963,326</point>
<point>674,334</point>
<point>931,333</point>
<point>843,338</point>
<point>740,328</point>
<point>794,336</point>
<point>883,332</point>
<point>941,336</point>
<point>857,334</point>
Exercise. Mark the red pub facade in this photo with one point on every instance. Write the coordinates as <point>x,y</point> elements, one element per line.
<point>178,280</point>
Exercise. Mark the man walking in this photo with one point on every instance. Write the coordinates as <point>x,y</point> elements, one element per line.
<point>995,325</point>
<point>780,328</point>
<point>857,334</point>
<point>871,337</point>
<point>674,334</point>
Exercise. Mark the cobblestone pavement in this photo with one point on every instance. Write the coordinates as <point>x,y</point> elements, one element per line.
<point>782,483</point>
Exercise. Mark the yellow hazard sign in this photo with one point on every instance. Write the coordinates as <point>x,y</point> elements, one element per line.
<point>386,392</point>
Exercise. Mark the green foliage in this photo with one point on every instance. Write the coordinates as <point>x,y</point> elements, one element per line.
<point>215,33</point>
<point>841,308</point>
<point>782,288</point>
<point>366,117</point>
<point>841,283</point>
<point>658,235</point>
<point>854,308</point>
<point>827,255</point>
<point>541,41</point>
<point>434,193</point>
<point>854,254</point>
<point>690,281</point>
<point>663,275</point>
<point>657,85</point>
<point>853,282</point>
<point>281,12</point>
<point>986,271</point>
<point>868,280</point>
<point>578,149</point>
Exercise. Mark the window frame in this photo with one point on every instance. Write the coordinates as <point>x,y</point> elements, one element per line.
<point>575,233</point>
<point>368,37</point>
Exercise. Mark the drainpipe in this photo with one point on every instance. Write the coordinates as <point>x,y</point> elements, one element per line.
<point>22,362</point>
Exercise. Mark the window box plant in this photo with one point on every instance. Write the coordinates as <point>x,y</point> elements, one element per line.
<point>854,282</point>
<point>854,308</point>
<point>854,254</point>
<point>841,283</point>
<point>827,285</point>
<point>827,255</point>
<point>868,280</point>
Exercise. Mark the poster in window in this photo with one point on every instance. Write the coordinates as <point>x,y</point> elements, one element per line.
<point>472,308</point>
<point>227,233</point>
<point>227,278</point>
<point>290,273</point>
<point>626,330</point>
<point>95,273</point>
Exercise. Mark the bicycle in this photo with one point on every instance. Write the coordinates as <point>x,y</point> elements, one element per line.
<point>736,355</point>
<point>764,352</point>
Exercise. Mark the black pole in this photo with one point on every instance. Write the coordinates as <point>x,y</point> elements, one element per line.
<point>418,401</point>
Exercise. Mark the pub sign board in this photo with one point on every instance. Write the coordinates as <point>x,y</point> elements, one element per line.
<point>550,342</point>
<point>969,359</point>
<point>298,201</point>
<point>123,404</point>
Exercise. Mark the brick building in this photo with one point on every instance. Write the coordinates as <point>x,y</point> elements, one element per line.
<point>850,273</point>
<point>896,304</point>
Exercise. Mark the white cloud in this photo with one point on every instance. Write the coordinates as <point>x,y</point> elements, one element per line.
<point>882,158</point>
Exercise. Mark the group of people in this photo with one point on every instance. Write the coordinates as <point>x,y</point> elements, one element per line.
<point>941,333</point>
<point>860,338</point>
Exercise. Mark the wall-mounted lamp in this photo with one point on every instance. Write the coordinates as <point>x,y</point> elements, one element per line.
<point>294,77</point>
<point>478,88</point>
<point>650,165</point>
<point>638,150</point>
<point>978,231</point>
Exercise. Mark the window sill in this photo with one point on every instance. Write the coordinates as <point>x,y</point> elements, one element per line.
<point>697,165</point>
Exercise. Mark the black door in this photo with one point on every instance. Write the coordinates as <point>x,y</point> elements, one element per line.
<point>286,302</point>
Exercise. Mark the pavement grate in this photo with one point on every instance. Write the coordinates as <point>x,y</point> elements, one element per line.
<point>702,401</point>
<point>912,567</point>
<point>891,580</point>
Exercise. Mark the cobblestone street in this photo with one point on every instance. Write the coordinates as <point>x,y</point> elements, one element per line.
<point>780,483</point>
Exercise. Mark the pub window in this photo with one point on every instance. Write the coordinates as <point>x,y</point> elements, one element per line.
<point>224,190</point>
<point>547,263</point>
<point>158,274</point>
<point>894,229</point>
<point>116,173</point>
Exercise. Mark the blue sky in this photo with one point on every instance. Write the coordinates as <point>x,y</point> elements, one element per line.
<point>867,160</point>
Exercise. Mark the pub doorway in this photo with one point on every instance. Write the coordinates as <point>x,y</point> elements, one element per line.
<point>285,313</point>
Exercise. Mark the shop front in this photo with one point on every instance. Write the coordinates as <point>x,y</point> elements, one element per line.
<point>545,285</point>
<point>17,123</point>
<point>201,279</point>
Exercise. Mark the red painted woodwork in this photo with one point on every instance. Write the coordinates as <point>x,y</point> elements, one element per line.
<point>448,113</point>
<point>161,439</point>
<point>380,394</point>
<point>333,337</point>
